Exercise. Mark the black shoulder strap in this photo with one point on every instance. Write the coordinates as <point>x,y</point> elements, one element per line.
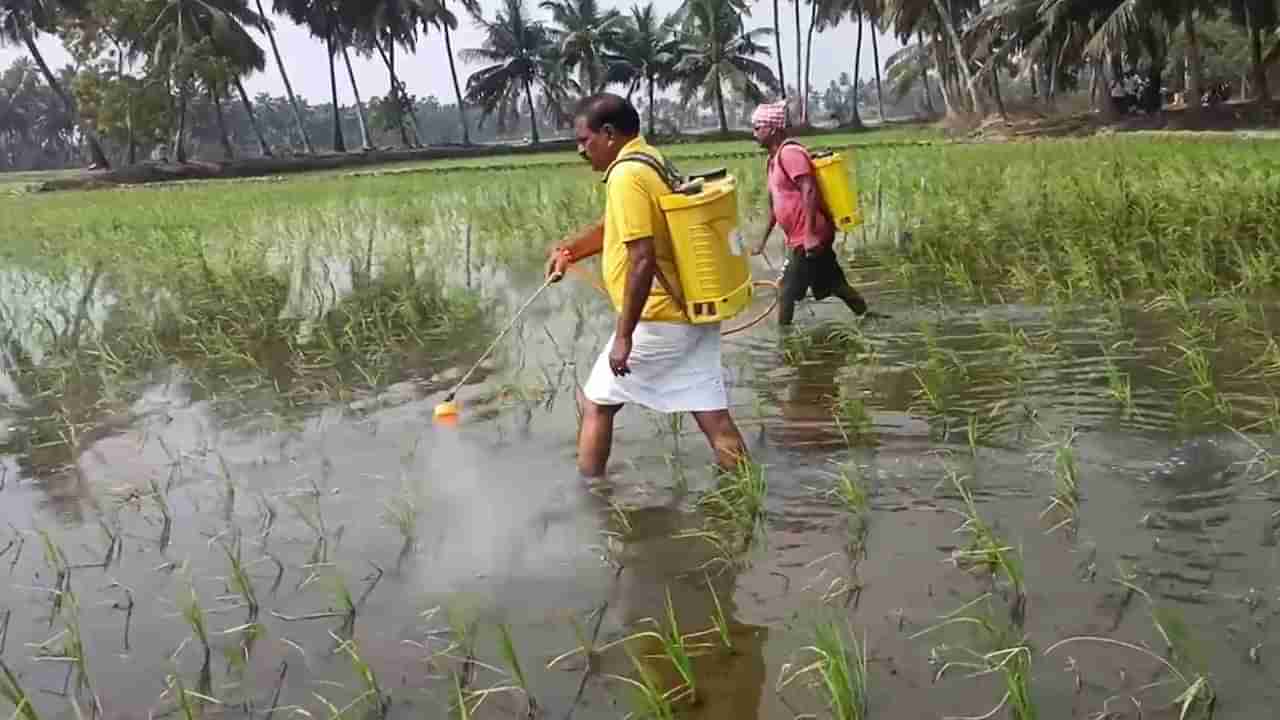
<point>666,170</point>
<point>672,179</point>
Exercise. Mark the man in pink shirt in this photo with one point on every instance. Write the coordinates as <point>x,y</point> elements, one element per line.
<point>796,204</point>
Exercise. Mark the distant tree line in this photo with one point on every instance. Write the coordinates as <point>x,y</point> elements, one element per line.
<point>164,78</point>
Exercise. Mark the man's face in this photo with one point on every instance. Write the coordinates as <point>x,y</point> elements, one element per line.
<point>598,147</point>
<point>762,133</point>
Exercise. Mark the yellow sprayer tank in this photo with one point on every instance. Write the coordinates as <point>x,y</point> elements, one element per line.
<point>711,256</point>
<point>840,194</point>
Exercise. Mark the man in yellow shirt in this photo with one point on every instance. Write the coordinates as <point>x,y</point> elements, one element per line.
<point>656,357</point>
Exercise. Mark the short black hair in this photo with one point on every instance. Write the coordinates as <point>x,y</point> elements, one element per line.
<point>608,108</point>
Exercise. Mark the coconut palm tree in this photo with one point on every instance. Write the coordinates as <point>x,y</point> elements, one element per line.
<point>777,43</point>
<point>280,6</point>
<point>444,20</point>
<point>517,48</point>
<point>184,29</point>
<point>645,51</point>
<point>20,22</point>
<point>716,50</point>
<point>381,26</point>
<point>583,32</point>
<point>324,18</point>
<point>1257,17</point>
<point>908,16</point>
<point>829,16</point>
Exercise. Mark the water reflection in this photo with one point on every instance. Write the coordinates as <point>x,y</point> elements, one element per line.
<point>730,682</point>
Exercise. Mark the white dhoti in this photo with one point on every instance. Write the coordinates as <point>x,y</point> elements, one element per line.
<point>675,367</point>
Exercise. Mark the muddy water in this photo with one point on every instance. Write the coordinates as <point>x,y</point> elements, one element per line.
<point>504,532</point>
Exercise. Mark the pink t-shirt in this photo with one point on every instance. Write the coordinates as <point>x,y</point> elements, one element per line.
<point>801,228</point>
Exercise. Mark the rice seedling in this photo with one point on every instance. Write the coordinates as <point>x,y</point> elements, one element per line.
<point>987,551</point>
<point>512,658</point>
<point>1000,649</point>
<point>56,559</point>
<point>12,691</point>
<point>194,615</point>
<point>838,670</point>
<point>852,418</point>
<point>651,702</point>
<point>849,491</point>
<point>378,701</point>
<point>1119,385</point>
<point>162,504</point>
<point>1066,495</point>
<point>402,513</point>
<point>239,582</point>
<point>719,619</point>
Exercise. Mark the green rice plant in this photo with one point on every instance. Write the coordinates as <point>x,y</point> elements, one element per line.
<point>402,513</point>
<point>652,703</point>
<point>852,418</point>
<point>736,508</point>
<point>379,702</point>
<point>56,559</point>
<point>838,670</point>
<point>987,551</point>
<point>1119,385</point>
<point>193,614</point>
<point>849,490</point>
<point>512,658</point>
<point>676,647</point>
<point>1066,494</point>
<point>12,691</point>
<point>1000,649</point>
<point>239,582</point>
<point>719,619</point>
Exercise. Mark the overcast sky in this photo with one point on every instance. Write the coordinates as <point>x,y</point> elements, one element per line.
<point>427,72</point>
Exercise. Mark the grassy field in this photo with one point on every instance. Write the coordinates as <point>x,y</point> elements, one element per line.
<point>1122,288</point>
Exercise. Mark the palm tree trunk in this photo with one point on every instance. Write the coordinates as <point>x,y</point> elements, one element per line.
<point>777,43</point>
<point>875,57</point>
<point>651,106</point>
<point>339,145</point>
<point>1261,92</point>
<point>390,62</point>
<point>967,77</point>
<point>944,80</point>
<point>253,119</point>
<point>457,89</point>
<point>223,137</point>
<point>1195,63</point>
<point>808,61</point>
<point>128,121</point>
<point>364,122</point>
<point>533,115</point>
<point>98,157</point>
<point>719,86</point>
<point>995,93</point>
<point>288,88</point>
<point>397,91</point>
<point>856,120</point>
<point>928,94</point>
<point>799,67</point>
<point>179,144</point>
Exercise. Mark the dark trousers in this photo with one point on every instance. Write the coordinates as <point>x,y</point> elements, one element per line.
<point>819,273</point>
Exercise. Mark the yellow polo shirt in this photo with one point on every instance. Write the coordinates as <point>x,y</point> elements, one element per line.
<point>632,212</point>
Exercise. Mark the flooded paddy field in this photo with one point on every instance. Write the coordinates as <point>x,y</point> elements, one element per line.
<point>1044,486</point>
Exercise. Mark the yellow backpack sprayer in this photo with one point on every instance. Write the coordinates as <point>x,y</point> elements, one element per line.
<point>710,256</point>
<point>839,193</point>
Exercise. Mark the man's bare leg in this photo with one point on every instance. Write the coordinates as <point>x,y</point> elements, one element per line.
<point>723,436</point>
<point>595,439</point>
